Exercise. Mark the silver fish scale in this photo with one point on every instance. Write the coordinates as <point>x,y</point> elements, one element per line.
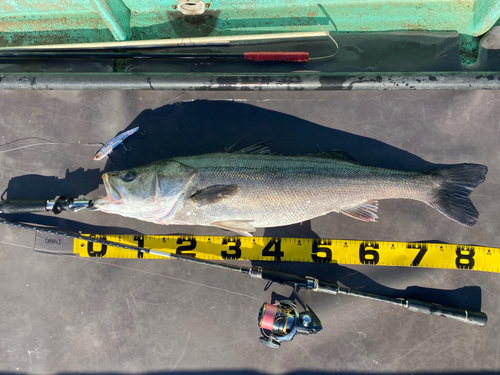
<point>282,190</point>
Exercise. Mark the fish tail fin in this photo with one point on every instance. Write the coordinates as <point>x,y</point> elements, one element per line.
<point>451,198</point>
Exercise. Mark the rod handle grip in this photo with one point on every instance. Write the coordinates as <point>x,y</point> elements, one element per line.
<point>475,318</point>
<point>22,206</point>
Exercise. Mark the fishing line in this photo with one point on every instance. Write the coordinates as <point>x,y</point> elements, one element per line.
<point>47,142</point>
<point>165,276</point>
<point>132,269</point>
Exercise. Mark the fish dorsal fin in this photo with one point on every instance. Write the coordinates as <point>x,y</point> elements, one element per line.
<point>337,154</point>
<point>364,211</point>
<point>230,148</point>
<point>262,148</point>
<point>213,194</point>
<point>242,227</point>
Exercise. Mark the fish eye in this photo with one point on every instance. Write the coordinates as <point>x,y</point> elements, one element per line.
<point>129,175</point>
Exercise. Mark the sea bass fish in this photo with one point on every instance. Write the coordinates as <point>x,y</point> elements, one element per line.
<point>249,189</point>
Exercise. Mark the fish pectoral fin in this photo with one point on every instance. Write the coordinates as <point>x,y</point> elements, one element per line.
<point>364,211</point>
<point>242,227</point>
<point>213,194</point>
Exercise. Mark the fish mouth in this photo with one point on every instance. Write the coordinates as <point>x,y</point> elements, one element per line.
<point>114,195</point>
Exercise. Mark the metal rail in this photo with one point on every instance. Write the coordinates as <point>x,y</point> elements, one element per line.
<point>251,82</point>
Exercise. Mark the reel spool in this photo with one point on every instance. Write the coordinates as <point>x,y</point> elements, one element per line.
<point>282,321</point>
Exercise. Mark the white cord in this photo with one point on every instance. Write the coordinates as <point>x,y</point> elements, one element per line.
<point>333,40</point>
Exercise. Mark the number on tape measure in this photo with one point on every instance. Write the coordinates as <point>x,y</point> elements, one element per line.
<point>465,257</point>
<point>92,247</point>
<point>368,253</point>
<point>234,250</point>
<point>181,249</point>
<point>420,255</point>
<point>276,253</point>
<point>321,254</point>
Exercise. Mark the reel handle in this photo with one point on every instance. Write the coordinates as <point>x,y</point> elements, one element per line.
<point>475,318</point>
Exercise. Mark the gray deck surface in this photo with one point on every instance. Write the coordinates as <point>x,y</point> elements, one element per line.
<point>61,314</point>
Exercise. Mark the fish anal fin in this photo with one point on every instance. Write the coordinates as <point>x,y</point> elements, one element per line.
<point>365,211</point>
<point>242,227</point>
<point>213,194</point>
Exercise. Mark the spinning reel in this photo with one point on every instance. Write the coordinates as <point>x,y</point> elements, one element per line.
<point>282,321</point>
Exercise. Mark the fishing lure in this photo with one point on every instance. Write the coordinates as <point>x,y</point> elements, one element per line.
<point>108,147</point>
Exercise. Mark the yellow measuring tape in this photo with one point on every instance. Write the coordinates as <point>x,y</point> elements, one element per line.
<point>382,253</point>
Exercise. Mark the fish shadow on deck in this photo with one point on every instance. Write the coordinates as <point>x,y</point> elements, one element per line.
<point>202,126</point>
<point>199,127</point>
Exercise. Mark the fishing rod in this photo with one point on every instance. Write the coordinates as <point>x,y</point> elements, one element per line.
<point>55,206</point>
<point>48,52</point>
<point>229,40</point>
<point>249,56</point>
<point>279,322</point>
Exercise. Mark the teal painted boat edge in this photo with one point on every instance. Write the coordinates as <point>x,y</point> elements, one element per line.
<point>31,22</point>
<point>232,16</point>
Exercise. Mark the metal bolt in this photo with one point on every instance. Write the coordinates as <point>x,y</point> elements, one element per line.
<point>305,319</point>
